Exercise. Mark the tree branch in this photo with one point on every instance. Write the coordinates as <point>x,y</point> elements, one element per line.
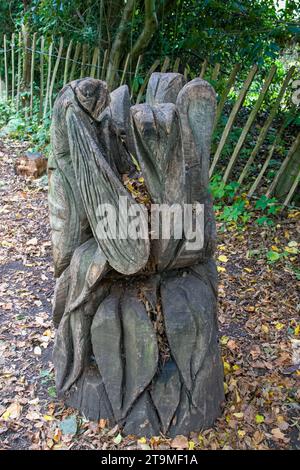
<point>150,26</point>
<point>117,50</point>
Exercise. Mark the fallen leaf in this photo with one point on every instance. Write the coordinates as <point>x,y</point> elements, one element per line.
<point>180,442</point>
<point>12,412</point>
<point>277,433</point>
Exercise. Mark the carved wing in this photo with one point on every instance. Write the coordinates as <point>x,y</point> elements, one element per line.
<point>164,87</point>
<point>196,104</point>
<point>98,185</point>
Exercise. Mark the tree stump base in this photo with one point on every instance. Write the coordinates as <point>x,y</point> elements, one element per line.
<point>154,363</point>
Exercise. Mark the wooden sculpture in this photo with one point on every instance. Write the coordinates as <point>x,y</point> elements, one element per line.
<point>136,339</point>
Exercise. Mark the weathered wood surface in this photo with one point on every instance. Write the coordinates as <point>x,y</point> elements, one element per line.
<point>137,332</point>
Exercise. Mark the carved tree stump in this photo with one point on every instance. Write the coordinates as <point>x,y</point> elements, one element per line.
<point>136,338</point>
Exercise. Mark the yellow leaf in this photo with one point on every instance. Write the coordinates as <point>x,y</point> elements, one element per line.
<point>259,419</point>
<point>47,333</point>
<point>226,367</point>
<point>241,433</point>
<point>248,270</point>
<point>223,258</point>
<point>224,340</point>
<point>274,248</point>
<point>291,249</point>
<point>142,440</point>
<point>297,330</point>
<point>222,247</point>
<point>235,367</point>
<point>57,435</point>
<point>279,326</point>
<point>265,328</point>
<point>191,445</point>
<point>48,418</point>
<point>250,308</point>
<point>221,269</point>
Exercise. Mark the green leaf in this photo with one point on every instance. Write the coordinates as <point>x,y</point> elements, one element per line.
<point>259,419</point>
<point>52,392</point>
<point>273,256</point>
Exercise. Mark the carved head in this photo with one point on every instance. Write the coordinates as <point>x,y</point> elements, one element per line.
<point>92,95</point>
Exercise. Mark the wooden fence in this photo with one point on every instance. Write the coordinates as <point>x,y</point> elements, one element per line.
<point>33,69</point>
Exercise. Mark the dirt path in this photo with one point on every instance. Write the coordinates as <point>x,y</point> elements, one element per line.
<point>259,322</point>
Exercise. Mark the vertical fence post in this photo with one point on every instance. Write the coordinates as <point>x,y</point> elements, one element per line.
<point>5,66</point>
<point>48,79</point>
<point>94,62</point>
<point>83,62</point>
<point>104,64</point>
<point>138,64</point>
<point>226,91</point>
<point>203,69</point>
<point>249,122</point>
<point>32,73</point>
<point>61,44</point>
<point>67,61</point>
<point>19,69</point>
<point>266,126</point>
<point>13,66</point>
<point>233,114</point>
<point>42,76</point>
<point>176,65</point>
<point>165,65</point>
<point>125,69</point>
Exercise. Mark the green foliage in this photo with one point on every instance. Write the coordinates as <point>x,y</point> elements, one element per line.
<point>14,124</point>
<point>231,207</point>
<point>221,190</point>
<point>245,31</point>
